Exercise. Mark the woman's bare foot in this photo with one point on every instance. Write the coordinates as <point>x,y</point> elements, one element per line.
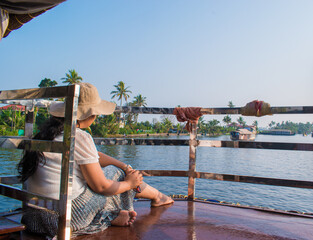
<point>124,218</point>
<point>161,200</point>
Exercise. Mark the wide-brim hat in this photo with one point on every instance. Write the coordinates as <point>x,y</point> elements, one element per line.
<point>89,103</point>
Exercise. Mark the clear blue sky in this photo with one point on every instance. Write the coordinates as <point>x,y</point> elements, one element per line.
<point>189,53</point>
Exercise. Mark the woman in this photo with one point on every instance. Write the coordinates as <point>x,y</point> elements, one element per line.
<point>103,187</point>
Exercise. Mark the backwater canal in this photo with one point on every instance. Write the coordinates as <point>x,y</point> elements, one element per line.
<point>296,165</point>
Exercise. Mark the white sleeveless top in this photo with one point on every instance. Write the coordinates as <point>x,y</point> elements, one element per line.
<point>46,180</point>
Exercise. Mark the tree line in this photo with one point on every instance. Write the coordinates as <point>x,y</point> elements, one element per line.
<point>12,121</point>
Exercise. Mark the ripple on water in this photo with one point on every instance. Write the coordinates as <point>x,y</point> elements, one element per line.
<point>297,165</point>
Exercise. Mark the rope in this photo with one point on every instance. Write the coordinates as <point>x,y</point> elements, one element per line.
<point>189,114</point>
<point>256,108</point>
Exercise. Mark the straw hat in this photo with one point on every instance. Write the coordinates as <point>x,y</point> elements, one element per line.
<point>89,103</point>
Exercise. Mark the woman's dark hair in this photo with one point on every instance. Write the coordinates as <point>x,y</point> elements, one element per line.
<point>29,163</point>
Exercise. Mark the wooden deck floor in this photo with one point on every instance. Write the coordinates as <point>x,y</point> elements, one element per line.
<point>197,220</point>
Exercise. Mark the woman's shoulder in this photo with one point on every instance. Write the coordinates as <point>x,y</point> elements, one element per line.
<point>81,134</point>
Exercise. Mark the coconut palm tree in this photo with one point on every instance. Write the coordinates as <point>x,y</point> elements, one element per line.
<point>271,124</point>
<point>120,93</point>
<point>201,124</point>
<point>227,119</point>
<point>72,77</point>
<point>212,126</point>
<point>167,124</point>
<point>241,121</point>
<point>47,82</point>
<point>230,104</point>
<point>139,101</point>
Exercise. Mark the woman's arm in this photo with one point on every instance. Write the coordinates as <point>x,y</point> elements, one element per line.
<point>106,160</point>
<point>96,180</point>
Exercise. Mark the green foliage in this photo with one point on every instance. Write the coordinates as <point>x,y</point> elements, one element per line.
<point>230,104</point>
<point>47,82</point>
<point>166,124</point>
<point>227,119</point>
<point>139,101</point>
<point>72,77</point>
<point>11,121</point>
<point>121,92</point>
<point>105,125</point>
<point>241,121</point>
<point>300,128</point>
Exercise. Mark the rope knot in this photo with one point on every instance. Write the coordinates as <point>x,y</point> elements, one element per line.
<point>189,114</point>
<point>256,108</point>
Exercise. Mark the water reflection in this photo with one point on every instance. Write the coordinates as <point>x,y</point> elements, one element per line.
<point>295,165</point>
<point>9,160</point>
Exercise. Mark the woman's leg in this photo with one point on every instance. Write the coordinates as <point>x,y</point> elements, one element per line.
<point>157,198</point>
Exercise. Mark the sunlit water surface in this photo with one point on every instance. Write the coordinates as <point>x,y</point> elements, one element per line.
<point>297,165</point>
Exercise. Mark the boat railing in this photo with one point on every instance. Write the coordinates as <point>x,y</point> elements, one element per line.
<point>28,96</point>
<point>70,93</point>
<point>194,143</point>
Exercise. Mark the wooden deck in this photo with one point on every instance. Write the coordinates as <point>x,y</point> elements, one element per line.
<point>201,220</point>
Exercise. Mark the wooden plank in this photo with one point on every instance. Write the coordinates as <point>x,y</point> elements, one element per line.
<point>8,226</point>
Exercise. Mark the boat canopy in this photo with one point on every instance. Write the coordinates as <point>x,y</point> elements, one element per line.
<point>15,13</point>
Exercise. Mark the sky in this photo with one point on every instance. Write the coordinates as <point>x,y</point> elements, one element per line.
<point>199,53</point>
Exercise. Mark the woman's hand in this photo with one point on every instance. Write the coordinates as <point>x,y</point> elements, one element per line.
<point>133,178</point>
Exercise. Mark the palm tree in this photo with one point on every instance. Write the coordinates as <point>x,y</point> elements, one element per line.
<point>72,77</point>
<point>230,104</point>
<point>139,101</point>
<point>47,82</point>
<point>227,119</point>
<point>201,124</point>
<point>256,124</point>
<point>241,121</point>
<point>212,126</point>
<point>271,124</point>
<point>120,93</point>
<point>167,124</point>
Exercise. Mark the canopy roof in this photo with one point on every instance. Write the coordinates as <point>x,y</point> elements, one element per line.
<point>22,11</point>
<point>13,107</point>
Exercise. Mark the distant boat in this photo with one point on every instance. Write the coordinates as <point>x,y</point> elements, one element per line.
<point>284,132</point>
<point>243,134</point>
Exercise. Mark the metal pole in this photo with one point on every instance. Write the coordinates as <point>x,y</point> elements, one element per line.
<point>192,161</point>
<point>65,203</point>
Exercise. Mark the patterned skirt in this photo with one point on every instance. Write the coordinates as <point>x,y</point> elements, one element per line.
<point>91,212</point>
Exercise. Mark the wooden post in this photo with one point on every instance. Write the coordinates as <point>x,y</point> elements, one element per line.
<point>192,161</point>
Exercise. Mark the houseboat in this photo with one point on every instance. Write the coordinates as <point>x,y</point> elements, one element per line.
<point>283,132</point>
<point>245,134</point>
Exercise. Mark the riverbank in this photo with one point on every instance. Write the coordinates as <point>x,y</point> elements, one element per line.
<point>160,135</point>
<point>148,135</point>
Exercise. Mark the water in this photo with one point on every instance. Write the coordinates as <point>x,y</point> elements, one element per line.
<point>297,165</point>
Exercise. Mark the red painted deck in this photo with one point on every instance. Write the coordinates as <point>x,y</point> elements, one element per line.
<point>198,220</point>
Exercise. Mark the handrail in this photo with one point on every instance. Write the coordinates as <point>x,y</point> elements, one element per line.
<point>215,111</point>
<point>66,147</point>
<point>206,143</point>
